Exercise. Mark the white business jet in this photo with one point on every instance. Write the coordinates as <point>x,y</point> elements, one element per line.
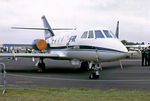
<point>89,48</point>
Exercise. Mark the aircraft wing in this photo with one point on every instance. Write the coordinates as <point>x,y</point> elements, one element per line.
<point>30,55</point>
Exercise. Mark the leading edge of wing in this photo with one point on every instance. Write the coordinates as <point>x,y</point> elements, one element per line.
<point>36,55</point>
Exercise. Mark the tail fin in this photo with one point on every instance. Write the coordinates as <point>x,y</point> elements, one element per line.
<point>117,30</point>
<point>48,33</point>
<point>47,28</point>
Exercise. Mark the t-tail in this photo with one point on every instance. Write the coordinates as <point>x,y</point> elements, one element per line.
<point>47,28</point>
<point>49,32</point>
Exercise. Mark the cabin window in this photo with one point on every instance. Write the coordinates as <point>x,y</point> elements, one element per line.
<point>98,34</point>
<point>84,35</point>
<point>62,39</point>
<point>108,35</point>
<point>91,34</point>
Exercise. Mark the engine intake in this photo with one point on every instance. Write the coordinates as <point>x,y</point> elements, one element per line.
<point>39,44</point>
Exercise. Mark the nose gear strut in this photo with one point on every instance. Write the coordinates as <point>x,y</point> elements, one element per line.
<point>94,74</point>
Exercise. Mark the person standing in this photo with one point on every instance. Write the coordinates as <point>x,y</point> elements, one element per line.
<point>146,57</point>
<point>149,56</point>
<point>143,57</point>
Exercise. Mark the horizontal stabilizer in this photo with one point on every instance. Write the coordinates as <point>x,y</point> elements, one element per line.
<point>47,28</point>
<point>64,28</point>
<point>29,28</point>
<point>43,28</point>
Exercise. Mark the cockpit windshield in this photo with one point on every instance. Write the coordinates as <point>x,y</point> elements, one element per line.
<point>91,34</point>
<point>108,35</point>
<point>98,34</point>
<point>113,34</point>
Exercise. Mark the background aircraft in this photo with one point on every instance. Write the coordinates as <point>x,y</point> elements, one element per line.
<point>89,48</point>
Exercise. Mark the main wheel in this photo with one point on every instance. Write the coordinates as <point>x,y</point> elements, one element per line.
<point>84,66</point>
<point>96,76</point>
<point>41,67</point>
<point>93,76</point>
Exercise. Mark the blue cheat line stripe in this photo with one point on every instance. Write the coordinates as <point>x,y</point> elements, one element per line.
<point>85,48</point>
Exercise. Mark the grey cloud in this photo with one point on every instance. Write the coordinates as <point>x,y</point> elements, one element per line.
<point>134,16</point>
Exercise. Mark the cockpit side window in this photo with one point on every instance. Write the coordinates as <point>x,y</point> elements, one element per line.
<point>91,34</point>
<point>84,35</point>
<point>98,34</point>
<point>108,35</point>
<point>113,34</point>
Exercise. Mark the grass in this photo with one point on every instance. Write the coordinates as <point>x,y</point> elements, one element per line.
<point>47,94</point>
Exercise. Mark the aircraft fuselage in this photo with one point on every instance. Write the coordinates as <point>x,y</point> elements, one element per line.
<point>74,46</point>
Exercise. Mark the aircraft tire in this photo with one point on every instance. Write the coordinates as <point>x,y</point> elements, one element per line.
<point>84,66</point>
<point>41,67</point>
<point>93,76</point>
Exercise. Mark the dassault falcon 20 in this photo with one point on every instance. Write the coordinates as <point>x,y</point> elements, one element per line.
<point>89,48</point>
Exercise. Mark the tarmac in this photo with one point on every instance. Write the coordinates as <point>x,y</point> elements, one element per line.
<point>61,74</point>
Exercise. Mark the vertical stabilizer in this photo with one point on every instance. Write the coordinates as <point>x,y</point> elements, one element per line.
<point>117,30</point>
<point>49,32</point>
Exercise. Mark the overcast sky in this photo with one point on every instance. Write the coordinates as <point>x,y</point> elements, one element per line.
<point>134,17</point>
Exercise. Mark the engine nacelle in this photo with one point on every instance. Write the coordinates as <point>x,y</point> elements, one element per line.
<point>39,44</point>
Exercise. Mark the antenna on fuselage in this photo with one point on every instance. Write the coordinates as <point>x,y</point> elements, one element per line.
<point>117,30</point>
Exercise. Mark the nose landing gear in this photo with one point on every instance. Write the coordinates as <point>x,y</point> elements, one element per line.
<point>94,74</point>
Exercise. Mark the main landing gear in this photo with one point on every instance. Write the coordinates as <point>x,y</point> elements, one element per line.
<point>84,66</point>
<point>94,74</point>
<point>41,65</point>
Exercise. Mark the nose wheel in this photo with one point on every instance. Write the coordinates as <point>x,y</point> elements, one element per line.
<point>94,74</point>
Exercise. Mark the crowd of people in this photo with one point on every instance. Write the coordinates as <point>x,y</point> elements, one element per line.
<point>146,56</point>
